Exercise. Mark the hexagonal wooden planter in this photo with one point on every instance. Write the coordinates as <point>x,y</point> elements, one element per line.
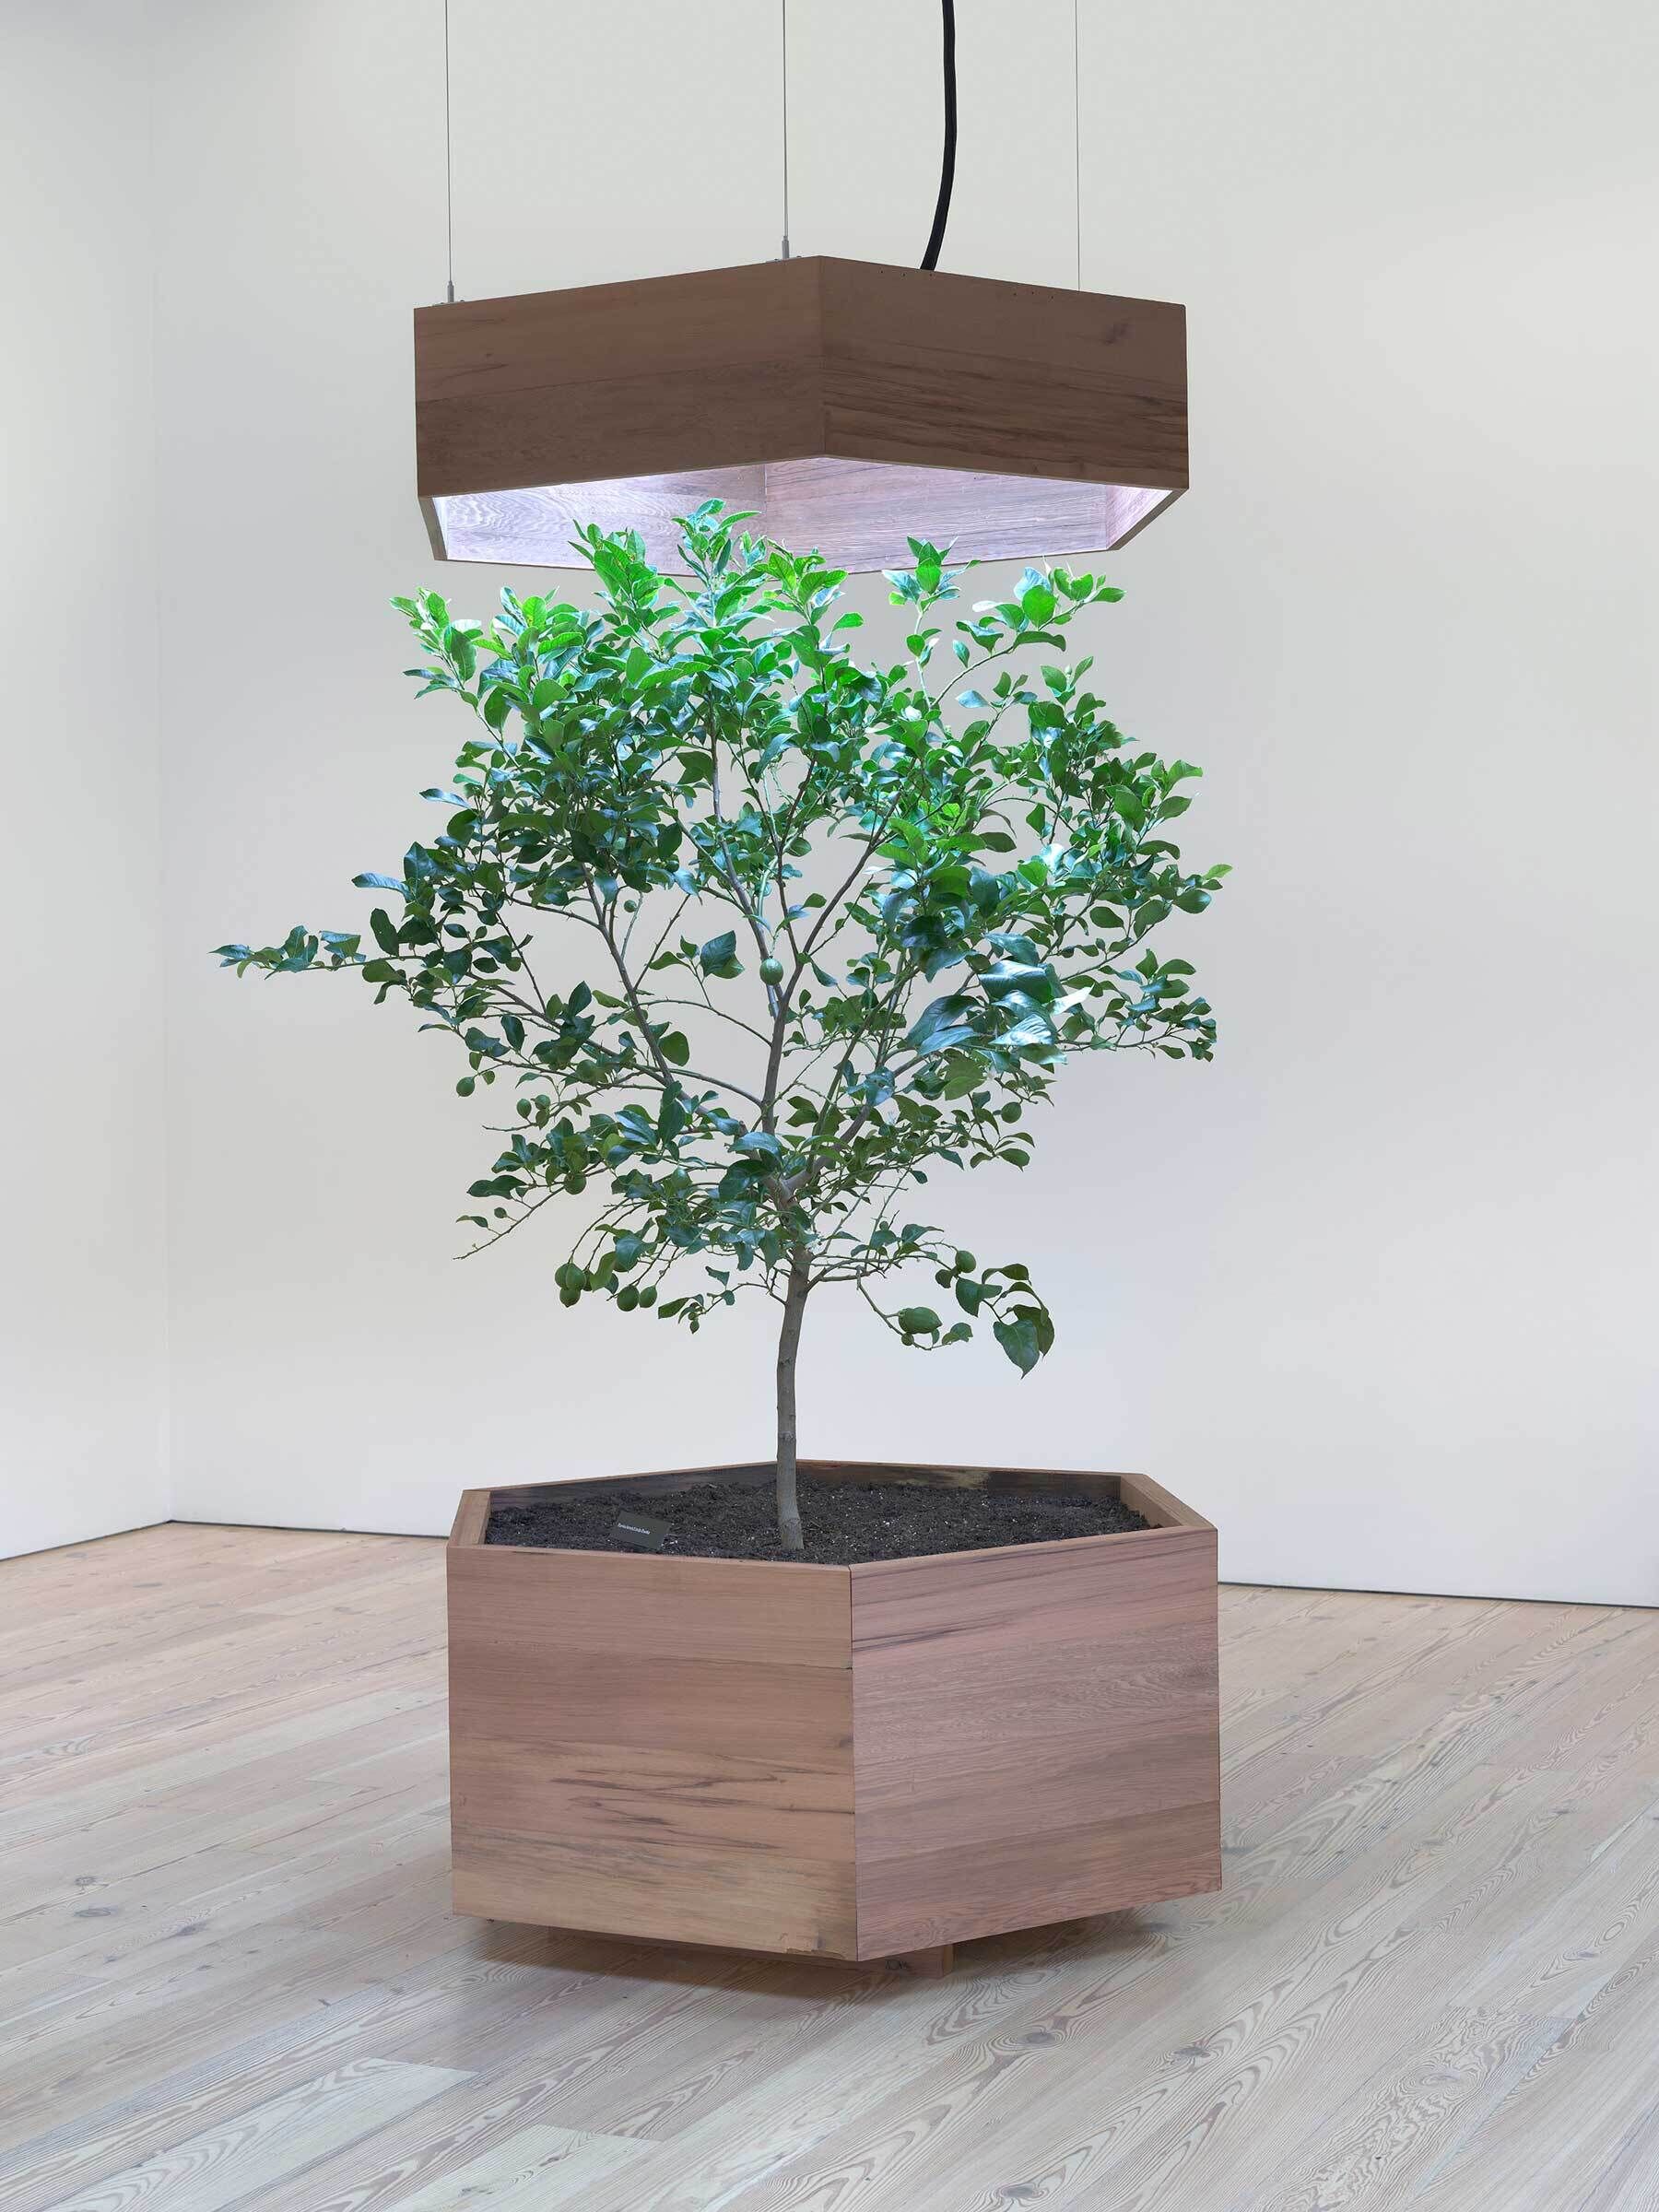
<point>858,1762</point>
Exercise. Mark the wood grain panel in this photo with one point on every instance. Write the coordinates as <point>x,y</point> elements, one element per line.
<point>990,1886</point>
<point>971,374</point>
<point>599,1791</point>
<point>550,1693</point>
<point>1151,1680</point>
<point>759,1899</point>
<point>860,513</point>
<point>1160,1506</point>
<point>659,377</point>
<point>472,1518</point>
<point>744,317</point>
<point>537,524</point>
<point>1036,1734</point>
<point>1103,1591</point>
<point>627,426</point>
<point>634,1605</point>
<point>880,309</point>
<point>652,1746</point>
<point>984,416</point>
<point>857,513</point>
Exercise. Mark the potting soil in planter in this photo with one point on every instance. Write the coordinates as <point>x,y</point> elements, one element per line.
<point>845,1521</point>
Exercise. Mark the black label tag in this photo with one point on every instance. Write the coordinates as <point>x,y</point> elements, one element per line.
<point>641,1532</point>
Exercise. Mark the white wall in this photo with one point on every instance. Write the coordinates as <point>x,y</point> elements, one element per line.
<point>1375,1291</point>
<point>81,1289</point>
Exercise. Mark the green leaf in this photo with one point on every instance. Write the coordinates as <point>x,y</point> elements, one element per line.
<point>963,1072</point>
<point>945,1023</point>
<point>1019,1339</point>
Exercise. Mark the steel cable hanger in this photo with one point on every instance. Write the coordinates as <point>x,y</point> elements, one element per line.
<point>448,174</point>
<point>784,82</point>
<point>1077,141</point>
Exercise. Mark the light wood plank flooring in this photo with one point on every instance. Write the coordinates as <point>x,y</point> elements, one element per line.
<point>229,1976</point>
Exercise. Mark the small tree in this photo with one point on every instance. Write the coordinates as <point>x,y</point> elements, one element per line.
<point>890,904</point>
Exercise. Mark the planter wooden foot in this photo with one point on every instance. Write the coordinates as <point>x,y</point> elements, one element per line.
<point>927,1966</point>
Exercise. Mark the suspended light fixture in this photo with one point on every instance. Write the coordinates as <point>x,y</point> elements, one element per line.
<point>850,405</point>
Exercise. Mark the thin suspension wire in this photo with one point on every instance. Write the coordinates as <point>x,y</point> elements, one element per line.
<point>1077,141</point>
<point>449,171</point>
<point>784,52</point>
<point>930,259</point>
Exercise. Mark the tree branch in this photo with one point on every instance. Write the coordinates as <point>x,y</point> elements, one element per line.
<point>671,1076</point>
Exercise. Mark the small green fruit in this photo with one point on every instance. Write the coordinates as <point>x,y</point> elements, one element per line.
<point>771,971</point>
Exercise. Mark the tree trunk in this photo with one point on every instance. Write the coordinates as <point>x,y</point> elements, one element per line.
<point>789,1340</point>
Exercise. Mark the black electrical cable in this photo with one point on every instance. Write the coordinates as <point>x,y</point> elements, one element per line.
<point>930,260</point>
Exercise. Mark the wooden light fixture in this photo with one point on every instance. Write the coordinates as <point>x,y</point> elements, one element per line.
<point>846,405</point>
<point>849,405</point>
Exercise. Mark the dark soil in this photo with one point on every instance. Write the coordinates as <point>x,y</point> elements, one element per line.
<point>845,1521</point>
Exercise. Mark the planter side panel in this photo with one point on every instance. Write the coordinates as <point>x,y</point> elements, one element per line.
<point>653,1748</point>
<point>1037,1735</point>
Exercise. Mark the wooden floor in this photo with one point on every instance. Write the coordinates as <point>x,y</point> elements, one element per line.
<point>229,1976</point>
